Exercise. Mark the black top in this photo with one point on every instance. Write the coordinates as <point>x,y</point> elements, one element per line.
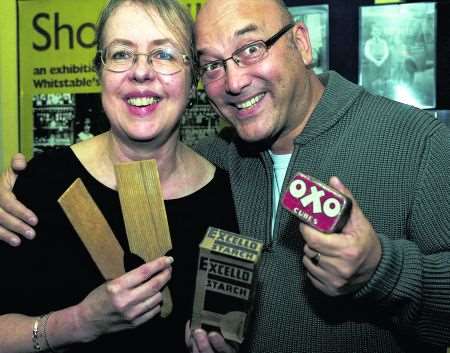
<point>55,270</point>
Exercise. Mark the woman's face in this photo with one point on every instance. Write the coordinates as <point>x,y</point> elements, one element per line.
<point>141,104</point>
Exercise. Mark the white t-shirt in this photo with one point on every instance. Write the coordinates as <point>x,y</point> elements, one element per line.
<point>280,165</point>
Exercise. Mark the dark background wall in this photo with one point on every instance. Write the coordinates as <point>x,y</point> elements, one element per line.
<point>344,37</point>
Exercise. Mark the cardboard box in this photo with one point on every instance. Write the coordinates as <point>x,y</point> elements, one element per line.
<point>225,283</point>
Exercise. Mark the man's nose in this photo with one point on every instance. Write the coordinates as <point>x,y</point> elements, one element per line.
<point>236,77</point>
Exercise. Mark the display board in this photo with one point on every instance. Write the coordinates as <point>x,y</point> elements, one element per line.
<point>399,61</point>
<point>56,47</point>
<point>59,90</point>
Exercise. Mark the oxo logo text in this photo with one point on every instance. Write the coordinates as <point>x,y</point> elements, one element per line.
<point>322,201</point>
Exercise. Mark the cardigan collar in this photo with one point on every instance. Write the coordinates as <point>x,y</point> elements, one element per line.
<point>338,97</point>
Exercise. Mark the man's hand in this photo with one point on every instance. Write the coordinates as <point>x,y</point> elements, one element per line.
<point>341,263</point>
<point>198,341</point>
<point>15,218</point>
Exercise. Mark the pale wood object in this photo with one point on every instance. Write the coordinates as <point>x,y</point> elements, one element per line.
<point>144,214</point>
<point>93,229</point>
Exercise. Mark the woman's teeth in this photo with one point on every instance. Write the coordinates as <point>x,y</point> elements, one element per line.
<point>142,101</point>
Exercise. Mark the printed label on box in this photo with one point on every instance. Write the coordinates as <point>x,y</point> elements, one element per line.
<point>225,282</point>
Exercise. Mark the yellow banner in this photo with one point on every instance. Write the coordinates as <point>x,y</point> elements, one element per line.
<point>193,5</point>
<point>56,48</point>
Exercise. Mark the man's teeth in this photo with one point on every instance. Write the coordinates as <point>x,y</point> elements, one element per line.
<point>142,101</point>
<point>250,103</point>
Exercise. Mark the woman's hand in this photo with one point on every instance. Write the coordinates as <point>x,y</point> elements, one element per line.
<point>125,302</point>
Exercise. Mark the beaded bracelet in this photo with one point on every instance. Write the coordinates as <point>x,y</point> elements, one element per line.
<point>36,335</point>
<point>39,337</point>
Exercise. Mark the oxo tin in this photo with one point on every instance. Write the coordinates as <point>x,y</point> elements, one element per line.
<point>316,203</point>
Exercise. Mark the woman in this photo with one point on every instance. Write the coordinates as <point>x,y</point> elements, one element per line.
<point>56,298</point>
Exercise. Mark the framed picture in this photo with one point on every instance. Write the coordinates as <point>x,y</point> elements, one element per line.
<point>397,52</point>
<point>315,17</point>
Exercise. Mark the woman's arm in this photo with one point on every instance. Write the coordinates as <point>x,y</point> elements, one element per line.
<point>120,304</point>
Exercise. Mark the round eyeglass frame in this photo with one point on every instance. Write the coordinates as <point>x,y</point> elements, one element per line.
<point>185,58</point>
<point>266,44</point>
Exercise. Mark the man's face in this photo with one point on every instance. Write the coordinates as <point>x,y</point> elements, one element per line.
<point>263,100</point>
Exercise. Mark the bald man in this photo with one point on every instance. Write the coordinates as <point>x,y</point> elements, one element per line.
<point>380,286</point>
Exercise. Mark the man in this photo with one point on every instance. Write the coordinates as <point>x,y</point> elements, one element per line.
<point>376,52</point>
<point>370,292</point>
<point>380,289</point>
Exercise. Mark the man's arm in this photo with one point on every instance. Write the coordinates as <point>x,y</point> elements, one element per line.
<point>409,281</point>
<point>412,280</point>
<point>15,218</point>
<point>214,148</point>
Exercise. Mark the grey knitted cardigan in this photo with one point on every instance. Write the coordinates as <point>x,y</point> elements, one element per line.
<point>396,161</point>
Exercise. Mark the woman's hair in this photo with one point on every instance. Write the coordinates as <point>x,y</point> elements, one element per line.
<point>174,15</point>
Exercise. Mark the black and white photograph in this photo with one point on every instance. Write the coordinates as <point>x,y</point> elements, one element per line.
<point>54,116</point>
<point>199,121</point>
<point>90,119</point>
<point>62,119</point>
<point>397,52</point>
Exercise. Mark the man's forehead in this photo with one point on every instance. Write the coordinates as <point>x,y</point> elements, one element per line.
<point>225,36</point>
<point>233,3</point>
<point>223,22</point>
<point>236,14</point>
<point>232,21</point>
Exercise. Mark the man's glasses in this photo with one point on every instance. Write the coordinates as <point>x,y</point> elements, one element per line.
<point>120,58</point>
<point>247,55</point>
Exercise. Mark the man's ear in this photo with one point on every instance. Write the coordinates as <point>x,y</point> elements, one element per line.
<point>303,43</point>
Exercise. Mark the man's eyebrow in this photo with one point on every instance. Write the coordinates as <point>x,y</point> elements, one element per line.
<point>249,28</point>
